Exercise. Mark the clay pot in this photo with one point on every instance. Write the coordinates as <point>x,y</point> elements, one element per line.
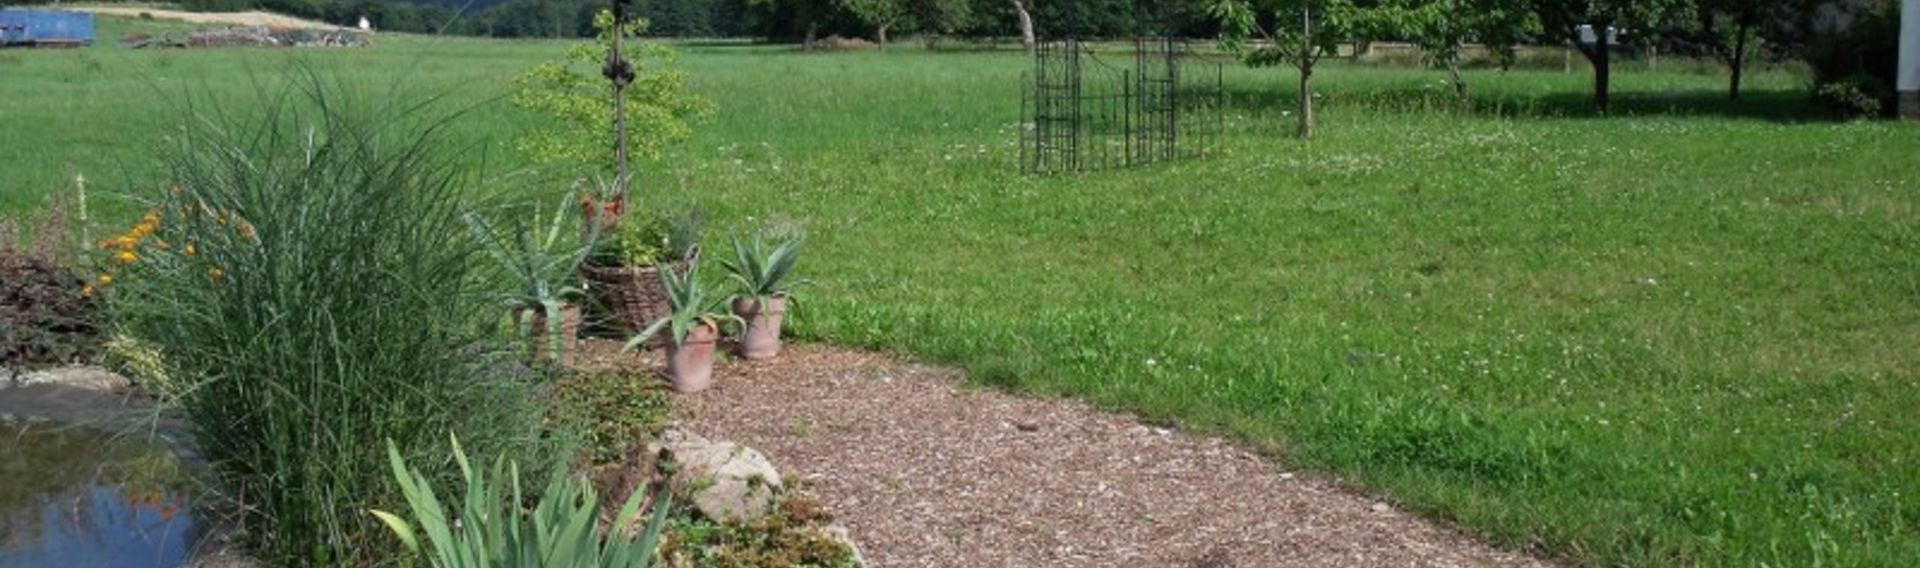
<point>537,328</point>
<point>690,364</point>
<point>762,338</point>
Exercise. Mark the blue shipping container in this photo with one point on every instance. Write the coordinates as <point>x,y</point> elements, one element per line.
<point>45,27</point>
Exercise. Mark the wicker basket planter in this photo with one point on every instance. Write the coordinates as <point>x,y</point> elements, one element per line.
<point>633,297</point>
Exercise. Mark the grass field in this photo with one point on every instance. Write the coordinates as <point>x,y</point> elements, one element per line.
<point>1686,334</point>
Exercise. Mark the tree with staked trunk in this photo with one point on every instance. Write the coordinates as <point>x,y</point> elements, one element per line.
<point>1289,32</point>
<point>1562,19</point>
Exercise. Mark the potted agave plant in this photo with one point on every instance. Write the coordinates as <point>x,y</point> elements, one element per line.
<point>693,328</point>
<point>760,266</point>
<point>546,276</point>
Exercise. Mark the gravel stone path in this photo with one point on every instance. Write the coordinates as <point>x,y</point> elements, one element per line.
<point>926,471</point>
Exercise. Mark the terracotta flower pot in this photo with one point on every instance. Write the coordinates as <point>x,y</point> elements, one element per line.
<point>762,339</point>
<point>690,365</point>
<point>542,344</point>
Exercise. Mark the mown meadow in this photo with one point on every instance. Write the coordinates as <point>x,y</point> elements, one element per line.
<point>1684,334</point>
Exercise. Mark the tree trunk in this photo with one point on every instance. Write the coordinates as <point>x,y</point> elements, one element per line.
<point>1737,65</point>
<point>813,31</point>
<point>883,34</point>
<point>1600,54</point>
<point>1026,25</point>
<point>1306,102</point>
<point>1459,83</point>
<point>1306,74</point>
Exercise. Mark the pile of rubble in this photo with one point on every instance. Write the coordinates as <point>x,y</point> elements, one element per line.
<point>253,36</point>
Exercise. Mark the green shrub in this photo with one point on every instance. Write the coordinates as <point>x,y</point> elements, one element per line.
<point>308,278</point>
<point>1857,96</point>
<point>1853,64</point>
<point>614,411</point>
<point>493,531</point>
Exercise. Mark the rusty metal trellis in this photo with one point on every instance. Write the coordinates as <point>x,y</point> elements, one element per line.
<point>1079,113</point>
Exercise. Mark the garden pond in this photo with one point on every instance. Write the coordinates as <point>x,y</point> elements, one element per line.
<point>73,496</point>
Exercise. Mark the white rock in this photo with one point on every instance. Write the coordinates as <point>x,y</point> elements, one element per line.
<point>723,480</point>
<point>78,376</point>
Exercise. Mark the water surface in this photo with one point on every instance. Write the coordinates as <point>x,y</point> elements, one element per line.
<point>72,497</point>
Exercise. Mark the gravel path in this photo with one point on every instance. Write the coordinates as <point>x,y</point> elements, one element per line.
<point>928,472</point>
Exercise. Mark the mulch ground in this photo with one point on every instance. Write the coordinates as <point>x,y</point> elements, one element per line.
<point>927,471</point>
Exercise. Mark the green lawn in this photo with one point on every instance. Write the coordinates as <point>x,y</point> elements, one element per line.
<point>1686,334</point>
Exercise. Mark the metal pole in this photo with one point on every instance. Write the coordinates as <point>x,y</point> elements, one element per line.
<point>620,80</point>
<point>1126,100</point>
<point>1908,79</point>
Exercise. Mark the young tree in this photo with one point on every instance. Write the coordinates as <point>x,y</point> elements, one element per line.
<point>1300,33</point>
<point>1563,19</point>
<point>1442,28</point>
<point>882,14</point>
<point>1731,30</point>
<point>652,108</point>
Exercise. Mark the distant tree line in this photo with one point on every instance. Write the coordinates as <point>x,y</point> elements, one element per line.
<point>1848,44</point>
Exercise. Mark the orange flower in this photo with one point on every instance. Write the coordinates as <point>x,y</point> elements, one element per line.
<point>86,290</point>
<point>190,250</point>
<point>106,279</point>
<point>245,228</point>
<point>127,257</point>
<point>215,273</point>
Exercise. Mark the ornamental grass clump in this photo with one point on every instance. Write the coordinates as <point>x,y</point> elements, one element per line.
<point>311,282</point>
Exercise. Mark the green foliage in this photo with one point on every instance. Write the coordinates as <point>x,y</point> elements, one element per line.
<point>943,17</point>
<point>492,530</point>
<point>47,314</point>
<point>542,264</point>
<point>142,362</point>
<point>761,263</point>
<point>615,411</point>
<point>1853,97</point>
<point>575,97</point>
<point>653,237</point>
<point>1853,66</point>
<point>791,536</point>
<point>694,304</point>
<point>1284,30</point>
<point>307,279</point>
<point>882,14</point>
